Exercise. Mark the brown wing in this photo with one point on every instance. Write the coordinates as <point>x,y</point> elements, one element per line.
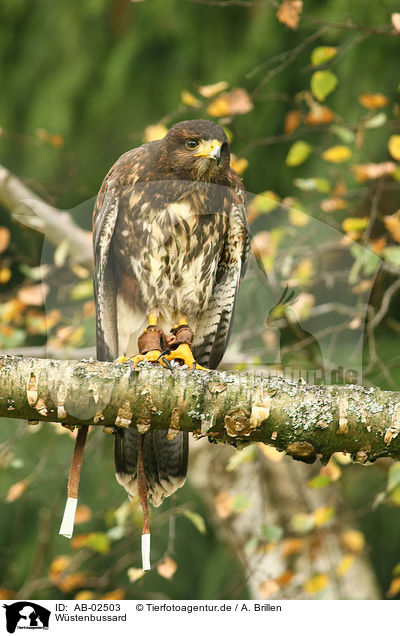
<point>213,330</point>
<point>117,184</point>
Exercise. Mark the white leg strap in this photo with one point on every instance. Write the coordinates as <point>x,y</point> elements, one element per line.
<point>68,520</point>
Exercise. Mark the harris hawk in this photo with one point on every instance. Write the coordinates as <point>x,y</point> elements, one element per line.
<point>171,242</point>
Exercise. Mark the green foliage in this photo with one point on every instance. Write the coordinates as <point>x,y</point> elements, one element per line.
<point>271,533</point>
<point>323,83</point>
<point>298,154</point>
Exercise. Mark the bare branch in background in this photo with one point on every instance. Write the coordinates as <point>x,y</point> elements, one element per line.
<point>58,226</point>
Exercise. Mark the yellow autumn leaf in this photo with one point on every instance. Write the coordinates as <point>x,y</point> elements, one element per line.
<point>267,588</point>
<point>285,578</point>
<point>83,514</point>
<point>345,564</point>
<point>343,458</point>
<point>316,584</point>
<point>212,89</point>
<point>5,275</point>
<point>58,575</point>
<point>377,246</point>
<point>395,19</point>
<point>115,595</point>
<point>392,224</point>
<point>271,453</point>
<point>353,540</point>
<point>298,218</point>
<point>337,154</point>
<point>59,564</point>
<point>354,225</point>
<point>292,546</point>
<point>365,171</point>
<point>224,504</point>
<point>167,567</point>
<point>394,146</point>
<point>155,132</point>
<point>4,238</point>
<point>6,593</point>
<point>289,13</point>
<point>84,595</point>
<point>333,204</point>
<point>271,340</point>
<point>323,83</point>
<point>78,541</point>
<point>319,114</point>
<point>323,514</point>
<point>331,470</point>
<point>263,203</point>
<point>235,102</point>
<point>301,308</point>
<point>239,165</point>
<point>394,588</point>
<point>298,153</point>
<point>76,337</point>
<point>373,100</point>
<point>302,523</point>
<point>322,54</point>
<point>33,294</point>
<point>134,574</point>
<point>72,581</point>
<point>292,121</point>
<point>189,99</point>
<point>262,244</point>
<point>6,330</point>
<point>55,140</point>
<point>219,107</point>
<point>16,490</point>
<point>303,272</point>
<point>266,548</point>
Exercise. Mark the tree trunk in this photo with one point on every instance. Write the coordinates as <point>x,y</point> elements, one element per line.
<point>274,493</point>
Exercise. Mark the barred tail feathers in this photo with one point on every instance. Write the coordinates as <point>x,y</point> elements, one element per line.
<point>164,461</point>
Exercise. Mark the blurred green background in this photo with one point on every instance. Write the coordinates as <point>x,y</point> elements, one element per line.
<point>97,72</point>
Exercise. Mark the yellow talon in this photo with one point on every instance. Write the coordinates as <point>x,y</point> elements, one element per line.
<point>122,359</point>
<point>184,353</point>
<point>150,356</point>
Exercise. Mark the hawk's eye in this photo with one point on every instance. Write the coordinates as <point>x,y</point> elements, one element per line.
<point>192,144</point>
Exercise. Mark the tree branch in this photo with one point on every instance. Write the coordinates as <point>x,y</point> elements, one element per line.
<point>58,226</point>
<point>235,408</point>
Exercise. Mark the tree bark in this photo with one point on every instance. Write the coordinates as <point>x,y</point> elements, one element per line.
<point>227,407</point>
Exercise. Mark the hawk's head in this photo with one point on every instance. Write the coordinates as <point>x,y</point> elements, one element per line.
<point>197,149</point>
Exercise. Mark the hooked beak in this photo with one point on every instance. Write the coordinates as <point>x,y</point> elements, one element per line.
<point>210,150</point>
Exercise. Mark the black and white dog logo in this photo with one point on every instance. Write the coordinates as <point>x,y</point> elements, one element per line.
<point>26,615</point>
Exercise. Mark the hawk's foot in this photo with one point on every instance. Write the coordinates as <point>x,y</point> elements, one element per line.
<point>152,339</point>
<point>181,334</point>
<point>183,352</point>
<point>151,356</point>
<point>151,344</point>
<point>154,355</point>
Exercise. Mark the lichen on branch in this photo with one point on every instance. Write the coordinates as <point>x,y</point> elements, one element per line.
<point>227,407</point>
